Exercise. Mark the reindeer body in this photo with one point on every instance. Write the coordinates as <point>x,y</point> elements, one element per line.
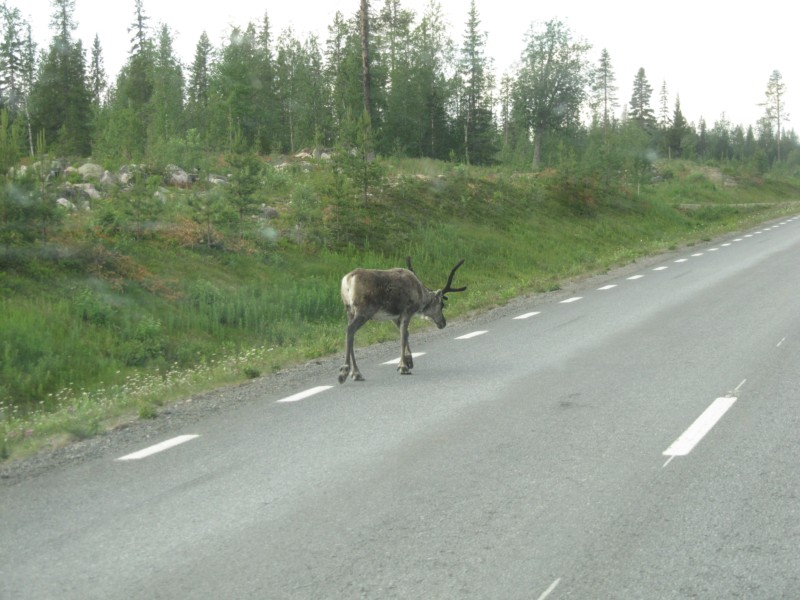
<point>395,295</point>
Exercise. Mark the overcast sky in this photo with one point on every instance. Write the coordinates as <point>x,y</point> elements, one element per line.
<point>717,58</point>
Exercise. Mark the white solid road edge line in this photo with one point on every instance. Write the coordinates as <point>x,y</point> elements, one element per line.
<point>697,430</point>
<point>176,441</point>
<point>305,394</point>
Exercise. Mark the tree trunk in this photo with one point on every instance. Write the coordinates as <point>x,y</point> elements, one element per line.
<point>366,77</point>
<point>537,149</point>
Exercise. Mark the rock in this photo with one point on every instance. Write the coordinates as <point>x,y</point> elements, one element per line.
<point>176,176</point>
<point>128,173</point>
<point>88,189</point>
<point>90,171</point>
<point>269,212</point>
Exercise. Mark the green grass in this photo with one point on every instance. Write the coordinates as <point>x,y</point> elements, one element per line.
<point>125,324</point>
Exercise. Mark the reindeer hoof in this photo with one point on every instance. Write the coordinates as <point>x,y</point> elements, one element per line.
<point>358,377</point>
<point>404,370</point>
<point>343,373</point>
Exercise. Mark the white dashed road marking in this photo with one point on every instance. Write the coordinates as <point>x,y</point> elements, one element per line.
<point>697,430</point>
<point>176,441</point>
<point>305,394</point>
<point>527,315</point>
<point>471,335</point>
<point>396,361</point>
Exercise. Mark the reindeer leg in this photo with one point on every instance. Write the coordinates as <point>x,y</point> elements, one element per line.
<point>406,360</point>
<point>350,367</point>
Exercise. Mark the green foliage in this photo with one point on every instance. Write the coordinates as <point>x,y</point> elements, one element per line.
<point>551,84</point>
<point>26,216</point>
<point>10,141</point>
<point>245,183</point>
<point>143,341</point>
<point>158,309</point>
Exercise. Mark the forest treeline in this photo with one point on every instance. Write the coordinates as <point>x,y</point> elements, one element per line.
<point>394,83</point>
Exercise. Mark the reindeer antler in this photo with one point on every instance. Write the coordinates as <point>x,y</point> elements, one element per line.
<point>447,287</point>
<point>408,262</point>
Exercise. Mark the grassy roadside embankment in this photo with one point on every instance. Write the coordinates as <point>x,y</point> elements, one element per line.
<point>103,326</point>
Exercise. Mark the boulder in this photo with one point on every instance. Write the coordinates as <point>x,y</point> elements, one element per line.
<point>269,212</point>
<point>108,178</point>
<point>90,171</point>
<point>128,173</point>
<point>176,176</point>
<point>88,189</point>
<point>64,203</point>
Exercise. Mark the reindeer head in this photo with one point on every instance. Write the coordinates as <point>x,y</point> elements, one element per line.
<point>434,309</point>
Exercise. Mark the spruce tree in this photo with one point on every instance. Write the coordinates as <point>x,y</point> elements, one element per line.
<point>432,58</point>
<point>98,82</point>
<point>641,112</point>
<point>604,91</point>
<point>166,103</point>
<point>60,98</point>
<point>475,116</point>
<point>12,61</point>
<point>678,128</point>
<point>198,87</point>
<point>125,132</point>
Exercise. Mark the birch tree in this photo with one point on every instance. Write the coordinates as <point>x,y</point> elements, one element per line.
<point>551,84</point>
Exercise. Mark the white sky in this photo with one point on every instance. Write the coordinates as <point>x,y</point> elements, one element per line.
<point>717,58</point>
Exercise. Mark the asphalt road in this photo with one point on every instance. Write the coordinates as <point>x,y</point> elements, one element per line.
<point>635,436</point>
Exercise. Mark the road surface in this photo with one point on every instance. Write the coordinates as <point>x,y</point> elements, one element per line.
<point>636,436</point>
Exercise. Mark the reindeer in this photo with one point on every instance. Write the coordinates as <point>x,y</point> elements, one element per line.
<point>393,294</point>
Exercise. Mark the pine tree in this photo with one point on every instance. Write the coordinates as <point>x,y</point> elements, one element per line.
<point>775,106</point>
